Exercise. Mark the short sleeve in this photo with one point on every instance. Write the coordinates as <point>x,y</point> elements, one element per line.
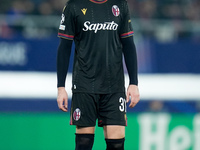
<point>66,28</point>
<point>126,29</point>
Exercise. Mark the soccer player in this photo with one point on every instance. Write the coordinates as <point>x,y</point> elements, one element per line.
<point>102,33</point>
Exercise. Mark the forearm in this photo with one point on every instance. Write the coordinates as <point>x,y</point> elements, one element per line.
<point>63,56</point>
<point>130,57</point>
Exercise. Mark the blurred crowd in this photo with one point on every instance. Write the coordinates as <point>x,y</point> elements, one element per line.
<point>32,7</point>
<point>173,10</point>
<point>165,9</point>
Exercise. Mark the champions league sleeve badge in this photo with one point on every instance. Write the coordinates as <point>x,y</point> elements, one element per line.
<point>62,27</point>
<point>62,19</point>
<point>115,10</point>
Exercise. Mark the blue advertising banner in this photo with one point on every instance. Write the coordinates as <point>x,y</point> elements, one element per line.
<point>176,57</point>
<point>28,55</point>
<point>23,54</point>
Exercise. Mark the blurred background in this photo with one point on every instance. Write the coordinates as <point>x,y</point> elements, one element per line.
<point>167,37</point>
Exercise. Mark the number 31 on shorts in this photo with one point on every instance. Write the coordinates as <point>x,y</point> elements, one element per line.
<point>122,106</point>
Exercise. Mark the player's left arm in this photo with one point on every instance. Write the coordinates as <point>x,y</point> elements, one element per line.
<point>130,56</point>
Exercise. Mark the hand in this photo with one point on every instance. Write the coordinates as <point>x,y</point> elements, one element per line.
<point>62,98</point>
<point>132,92</point>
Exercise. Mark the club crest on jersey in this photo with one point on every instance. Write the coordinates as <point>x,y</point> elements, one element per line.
<point>77,114</point>
<point>115,10</point>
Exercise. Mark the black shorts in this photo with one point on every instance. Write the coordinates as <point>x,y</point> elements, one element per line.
<point>109,109</point>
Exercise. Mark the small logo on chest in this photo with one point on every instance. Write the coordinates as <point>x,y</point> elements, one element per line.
<point>84,10</point>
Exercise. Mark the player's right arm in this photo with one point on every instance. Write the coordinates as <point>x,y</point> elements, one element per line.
<point>63,56</point>
<point>66,34</point>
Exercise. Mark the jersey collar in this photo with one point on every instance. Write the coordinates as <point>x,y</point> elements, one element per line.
<point>99,1</point>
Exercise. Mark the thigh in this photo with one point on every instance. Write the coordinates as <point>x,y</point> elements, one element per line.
<point>112,110</point>
<point>114,132</point>
<point>85,130</point>
<point>83,110</point>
